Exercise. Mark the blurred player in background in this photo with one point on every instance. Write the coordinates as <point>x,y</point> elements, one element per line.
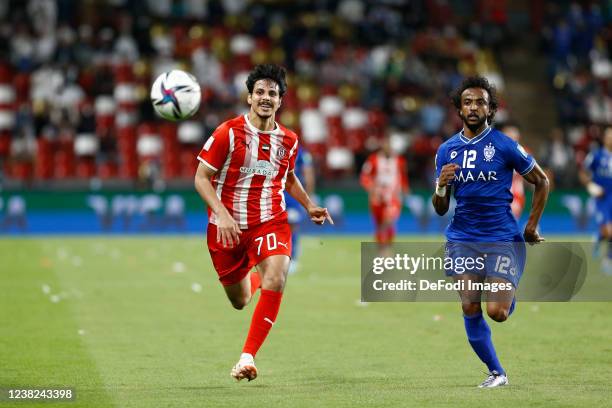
<point>478,165</point>
<point>384,177</point>
<point>16,213</point>
<point>596,175</point>
<point>244,167</point>
<point>518,188</point>
<point>305,172</point>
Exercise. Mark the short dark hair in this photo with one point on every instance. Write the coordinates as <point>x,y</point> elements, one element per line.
<point>477,82</point>
<point>268,71</point>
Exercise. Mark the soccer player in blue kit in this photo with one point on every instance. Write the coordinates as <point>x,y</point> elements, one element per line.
<point>304,171</point>
<point>476,165</point>
<point>596,175</point>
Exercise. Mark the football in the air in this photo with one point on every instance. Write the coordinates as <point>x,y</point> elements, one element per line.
<point>175,95</point>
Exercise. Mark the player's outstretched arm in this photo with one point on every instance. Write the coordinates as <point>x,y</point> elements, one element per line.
<point>317,214</point>
<point>441,197</point>
<point>228,231</point>
<point>538,178</point>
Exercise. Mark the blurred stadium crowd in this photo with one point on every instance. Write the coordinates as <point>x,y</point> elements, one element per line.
<point>75,78</point>
<point>578,41</point>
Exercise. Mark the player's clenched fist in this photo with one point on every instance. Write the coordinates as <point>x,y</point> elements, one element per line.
<point>447,174</point>
<point>532,236</point>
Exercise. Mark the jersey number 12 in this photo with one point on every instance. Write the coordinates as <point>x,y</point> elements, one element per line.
<point>469,156</point>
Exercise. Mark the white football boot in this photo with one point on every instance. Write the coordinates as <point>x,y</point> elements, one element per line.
<point>494,379</point>
<point>245,368</point>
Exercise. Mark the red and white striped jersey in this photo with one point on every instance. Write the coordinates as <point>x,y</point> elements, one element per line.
<point>386,178</point>
<point>252,167</point>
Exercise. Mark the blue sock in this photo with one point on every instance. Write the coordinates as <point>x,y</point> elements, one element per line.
<point>512,306</point>
<point>479,336</point>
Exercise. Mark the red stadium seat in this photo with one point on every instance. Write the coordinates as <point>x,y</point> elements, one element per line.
<point>107,170</point>
<point>377,119</point>
<point>355,139</point>
<point>168,133</point>
<point>43,168</point>
<point>22,170</point>
<point>64,164</point>
<point>85,167</point>
<point>318,150</point>
<point>6,73</point>
<point>5,144</point>
<point>128,169</point>
<point>188,161</point>
<point>21,82</point>
<point>123,73</point>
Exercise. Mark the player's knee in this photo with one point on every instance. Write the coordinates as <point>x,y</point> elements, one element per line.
<point>275,282</point>
<point>240,303</point>
<point>470,309</point>
<point>499,314</point>
<point>607,231</point>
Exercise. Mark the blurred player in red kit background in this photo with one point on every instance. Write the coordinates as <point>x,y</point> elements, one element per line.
<point>385,178</point>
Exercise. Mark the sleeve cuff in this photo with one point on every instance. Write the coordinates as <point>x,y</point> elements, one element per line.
<point>210,166</point>
<point>529,168</point>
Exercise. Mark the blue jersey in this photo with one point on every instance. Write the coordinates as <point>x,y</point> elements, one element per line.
<point>481,186</point>
<point>302,160</point>
<point>599,163</point>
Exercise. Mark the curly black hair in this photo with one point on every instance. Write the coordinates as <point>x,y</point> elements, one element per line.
<point>268,71</point>
<point>477,82</point>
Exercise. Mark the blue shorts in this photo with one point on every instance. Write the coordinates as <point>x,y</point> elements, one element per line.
<point>603,210</point>
<point>504,260</point>
<point>295,211</point>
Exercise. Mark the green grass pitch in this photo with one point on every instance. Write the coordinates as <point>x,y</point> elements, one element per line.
<point>143,322</point>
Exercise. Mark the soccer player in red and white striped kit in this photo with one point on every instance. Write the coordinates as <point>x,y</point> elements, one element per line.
<point>385,178</point>
<point>245,166</point>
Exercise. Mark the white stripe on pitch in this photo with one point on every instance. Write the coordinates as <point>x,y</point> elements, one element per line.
<point>223,173</point>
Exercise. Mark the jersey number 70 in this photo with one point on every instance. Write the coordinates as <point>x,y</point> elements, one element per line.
<point>270,241</point>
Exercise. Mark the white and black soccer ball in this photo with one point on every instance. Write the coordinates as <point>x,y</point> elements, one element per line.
<point>176,95</point>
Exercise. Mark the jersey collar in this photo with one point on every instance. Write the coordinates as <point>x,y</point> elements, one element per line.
<point>476,138</point>
<point>275,131</point>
